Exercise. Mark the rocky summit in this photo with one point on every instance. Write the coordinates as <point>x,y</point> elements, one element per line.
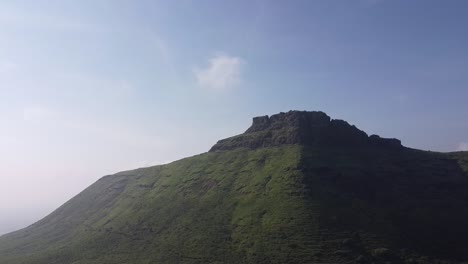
<point>304,128</point>
<point>296,187</point>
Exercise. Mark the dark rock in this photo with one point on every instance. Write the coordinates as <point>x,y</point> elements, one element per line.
<point>382,253</point>
<point>361,260</point>
<point>348,243</point>
<point>259,123</point>
<point>385,142</point>
<point>343,253</point>
<point>304,128</point>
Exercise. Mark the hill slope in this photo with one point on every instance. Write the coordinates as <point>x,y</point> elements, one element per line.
<point>297,187</point>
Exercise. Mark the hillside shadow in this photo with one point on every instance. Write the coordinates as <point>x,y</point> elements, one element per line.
<point>404,199</point>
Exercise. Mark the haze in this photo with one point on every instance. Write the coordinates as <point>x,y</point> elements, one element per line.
<point>89,88</point>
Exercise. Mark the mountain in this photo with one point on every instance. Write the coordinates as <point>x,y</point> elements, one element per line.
<point>296,187</point>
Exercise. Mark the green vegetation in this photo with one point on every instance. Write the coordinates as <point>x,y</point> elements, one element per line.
<point>262,201</point>
<point>215,207</point>
<point>286,204</point>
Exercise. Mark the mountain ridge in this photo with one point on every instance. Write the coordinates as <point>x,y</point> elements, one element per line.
<point>283,192</point>
<point>301,127</point>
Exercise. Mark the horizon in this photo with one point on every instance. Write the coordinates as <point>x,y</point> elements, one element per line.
<point>92,88</point>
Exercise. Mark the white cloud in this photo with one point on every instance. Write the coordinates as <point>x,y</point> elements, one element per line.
<point>223,72</point>
<point>463,146</point>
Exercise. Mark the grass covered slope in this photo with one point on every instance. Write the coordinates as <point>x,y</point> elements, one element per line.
<point>216,207</point>
<point>297,187</point>
<point>288,204</point>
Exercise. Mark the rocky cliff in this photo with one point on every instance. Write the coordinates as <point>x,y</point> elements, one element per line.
<point>304,128</point>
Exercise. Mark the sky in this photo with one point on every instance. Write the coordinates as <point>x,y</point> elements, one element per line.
<point>92,87</point>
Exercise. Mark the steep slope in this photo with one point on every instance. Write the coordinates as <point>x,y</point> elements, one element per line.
<point>297,187</point>
<point>213,207</point>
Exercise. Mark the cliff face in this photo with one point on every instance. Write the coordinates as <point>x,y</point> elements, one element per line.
<point>304,128</point>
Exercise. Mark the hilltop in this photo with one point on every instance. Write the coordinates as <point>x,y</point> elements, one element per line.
<point>296,187</point>
<point>302,128</point>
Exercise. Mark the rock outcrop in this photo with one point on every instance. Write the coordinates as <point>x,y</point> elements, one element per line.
<point>302,127</point>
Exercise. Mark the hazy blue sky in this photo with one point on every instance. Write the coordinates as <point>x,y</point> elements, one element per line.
<point>88,88</point>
